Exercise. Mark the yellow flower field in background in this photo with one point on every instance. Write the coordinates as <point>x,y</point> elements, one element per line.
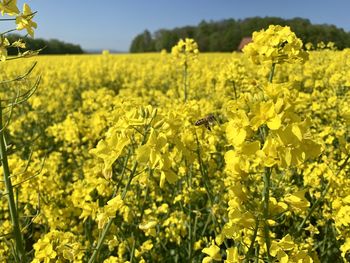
<point>124,170</point>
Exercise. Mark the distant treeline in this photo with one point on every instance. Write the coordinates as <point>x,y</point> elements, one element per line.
<point>225,35</point>
<point>52,46</point>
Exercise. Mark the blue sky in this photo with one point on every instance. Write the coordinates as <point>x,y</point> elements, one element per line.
<point>112,24</point>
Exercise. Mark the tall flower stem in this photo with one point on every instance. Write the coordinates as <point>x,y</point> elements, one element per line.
<point>204,173</point>
<point>185,79</point>
<point>190,234</point>
<point>266,199</point>
<point>109,224</point>
<point>251,247</point>
<point>19,246</point>
<point>234,89</point>
<point>272,72</point>
<point>266,189</point>
<point>123,195</point>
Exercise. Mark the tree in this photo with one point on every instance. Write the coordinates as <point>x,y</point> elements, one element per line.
<point>143,43</point>
<point>52,46</point>
<point>225,35</point>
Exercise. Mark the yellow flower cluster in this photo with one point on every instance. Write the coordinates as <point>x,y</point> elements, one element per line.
<point>276,44</point>
<point>251,166</point>
<point>185,50</point>
<point>57,244</point>
<point>24,20</point>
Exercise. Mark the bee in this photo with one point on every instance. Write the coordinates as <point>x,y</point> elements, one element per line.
<point>207,121</point>
<point>283,44</point>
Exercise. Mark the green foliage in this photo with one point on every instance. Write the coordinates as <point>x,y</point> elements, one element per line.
<point>142,43</point>
<point>225,35</point>
<point>52,46</point>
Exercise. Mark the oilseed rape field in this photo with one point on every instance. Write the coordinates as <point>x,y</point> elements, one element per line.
<point>178,157</point>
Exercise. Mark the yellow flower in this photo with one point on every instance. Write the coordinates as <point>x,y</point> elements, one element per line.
<point>151,151</point>
<point>342,218</point>
<point>198,245</point>
<point>275,45</point>
<point>166,173</point>
<point>213,251</point>
<point>236,129</point>
<point>43,250</point>
<point>302,257</point>
<point>269,153</point>
<point>295,144</point>
<point>24,21</point>
<point>19,43</point>
<point>146,246</point>
<point>345,248</point>
<point>113,259</point>
<point>232,255</point>
<point>185,50</point>
<point>149,228</point>
<point>114,205</point>
<point>276,207</point>
<point>109,150</point>
<point>9,7</point>
<point>4,43</point>
<point>297,201</point>
<point>278,248</point>
<point>109,211</point>
<point>309,46</point>
<point>265,112</point>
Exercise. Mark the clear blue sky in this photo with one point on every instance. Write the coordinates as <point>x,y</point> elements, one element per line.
<point>112,24</point>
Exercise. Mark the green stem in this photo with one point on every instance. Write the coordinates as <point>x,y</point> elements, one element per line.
<point>272,72</point>
<point>132,249</point>
<point>266,199</point>
<point>8,19</point>
<point>204,173</point>
<point>195,227</point>
<point>189,185</point>
<point>133,171</point>
<point>206,224</point>
<point>8,31</point>
<point>266,190</point>
<point>234,89</point>
<point>185,77</point>
<point>323,195</point>
<point>101,240</point>
<point>19,246</point>
<point>142,209</point>
<point>251,247</point>
<point>131,176</point>
<point>109,224</point>
<point>257,254</point>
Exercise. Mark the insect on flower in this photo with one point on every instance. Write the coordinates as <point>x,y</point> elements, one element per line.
<point>207,121</point>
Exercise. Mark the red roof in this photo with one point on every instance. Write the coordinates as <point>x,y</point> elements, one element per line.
<point>244,41</point>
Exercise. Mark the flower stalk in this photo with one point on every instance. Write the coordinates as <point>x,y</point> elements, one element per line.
<point>110,221</point>
<point>266,199</point>
<point>17,235</point>
<point>266,190</point>
<point>185,79</point>
<point>323,195</point>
